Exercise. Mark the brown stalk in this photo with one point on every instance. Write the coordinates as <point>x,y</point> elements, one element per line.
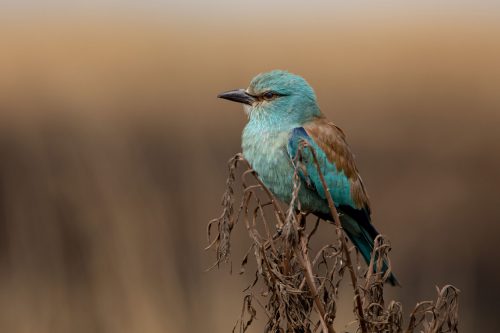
<point>335,215</point>
<point>303,255</point>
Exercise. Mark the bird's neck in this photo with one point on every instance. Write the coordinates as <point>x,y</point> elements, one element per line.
<point>258,125</point>
<point>282,117</point>
<point>263,134</point>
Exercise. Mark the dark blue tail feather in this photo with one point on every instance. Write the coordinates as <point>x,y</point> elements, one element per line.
<point>362,234</point>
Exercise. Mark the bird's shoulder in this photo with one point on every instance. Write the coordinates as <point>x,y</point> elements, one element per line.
<point>331,139</point>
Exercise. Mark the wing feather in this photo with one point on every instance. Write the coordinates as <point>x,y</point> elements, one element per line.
<point>331,141</point>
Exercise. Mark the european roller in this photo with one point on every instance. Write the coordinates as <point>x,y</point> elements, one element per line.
<point>283,113</point>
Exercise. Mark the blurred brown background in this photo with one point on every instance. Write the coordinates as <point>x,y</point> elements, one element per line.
<point>113,150</point>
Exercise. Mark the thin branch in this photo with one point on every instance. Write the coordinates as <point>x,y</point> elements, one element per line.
<point>335,215</point>
<point>303,255</point>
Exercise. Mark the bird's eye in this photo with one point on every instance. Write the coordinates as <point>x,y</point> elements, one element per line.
<point>269,95</point>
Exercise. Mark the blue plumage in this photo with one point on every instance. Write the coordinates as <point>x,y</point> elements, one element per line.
<point>336,180</point>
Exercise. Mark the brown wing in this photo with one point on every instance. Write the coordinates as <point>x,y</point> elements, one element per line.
<point>332,140</point>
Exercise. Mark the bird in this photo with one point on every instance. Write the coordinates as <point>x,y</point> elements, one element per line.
<point>283,116</point>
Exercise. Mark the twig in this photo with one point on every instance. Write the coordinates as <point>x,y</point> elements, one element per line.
<point>302,254</point>
<point>335,215</point>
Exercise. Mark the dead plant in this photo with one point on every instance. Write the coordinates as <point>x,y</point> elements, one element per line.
<point>299,290</point>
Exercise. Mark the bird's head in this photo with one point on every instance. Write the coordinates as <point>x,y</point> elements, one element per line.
<point>278,97</point>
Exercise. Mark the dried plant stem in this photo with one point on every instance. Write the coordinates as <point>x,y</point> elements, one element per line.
<point>303,256</point>
<point>335,215</point>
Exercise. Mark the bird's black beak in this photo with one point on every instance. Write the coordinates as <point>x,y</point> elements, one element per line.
<point>238,95</point>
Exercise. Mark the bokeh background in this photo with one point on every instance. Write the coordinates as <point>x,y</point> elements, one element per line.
<point>113,149</point>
